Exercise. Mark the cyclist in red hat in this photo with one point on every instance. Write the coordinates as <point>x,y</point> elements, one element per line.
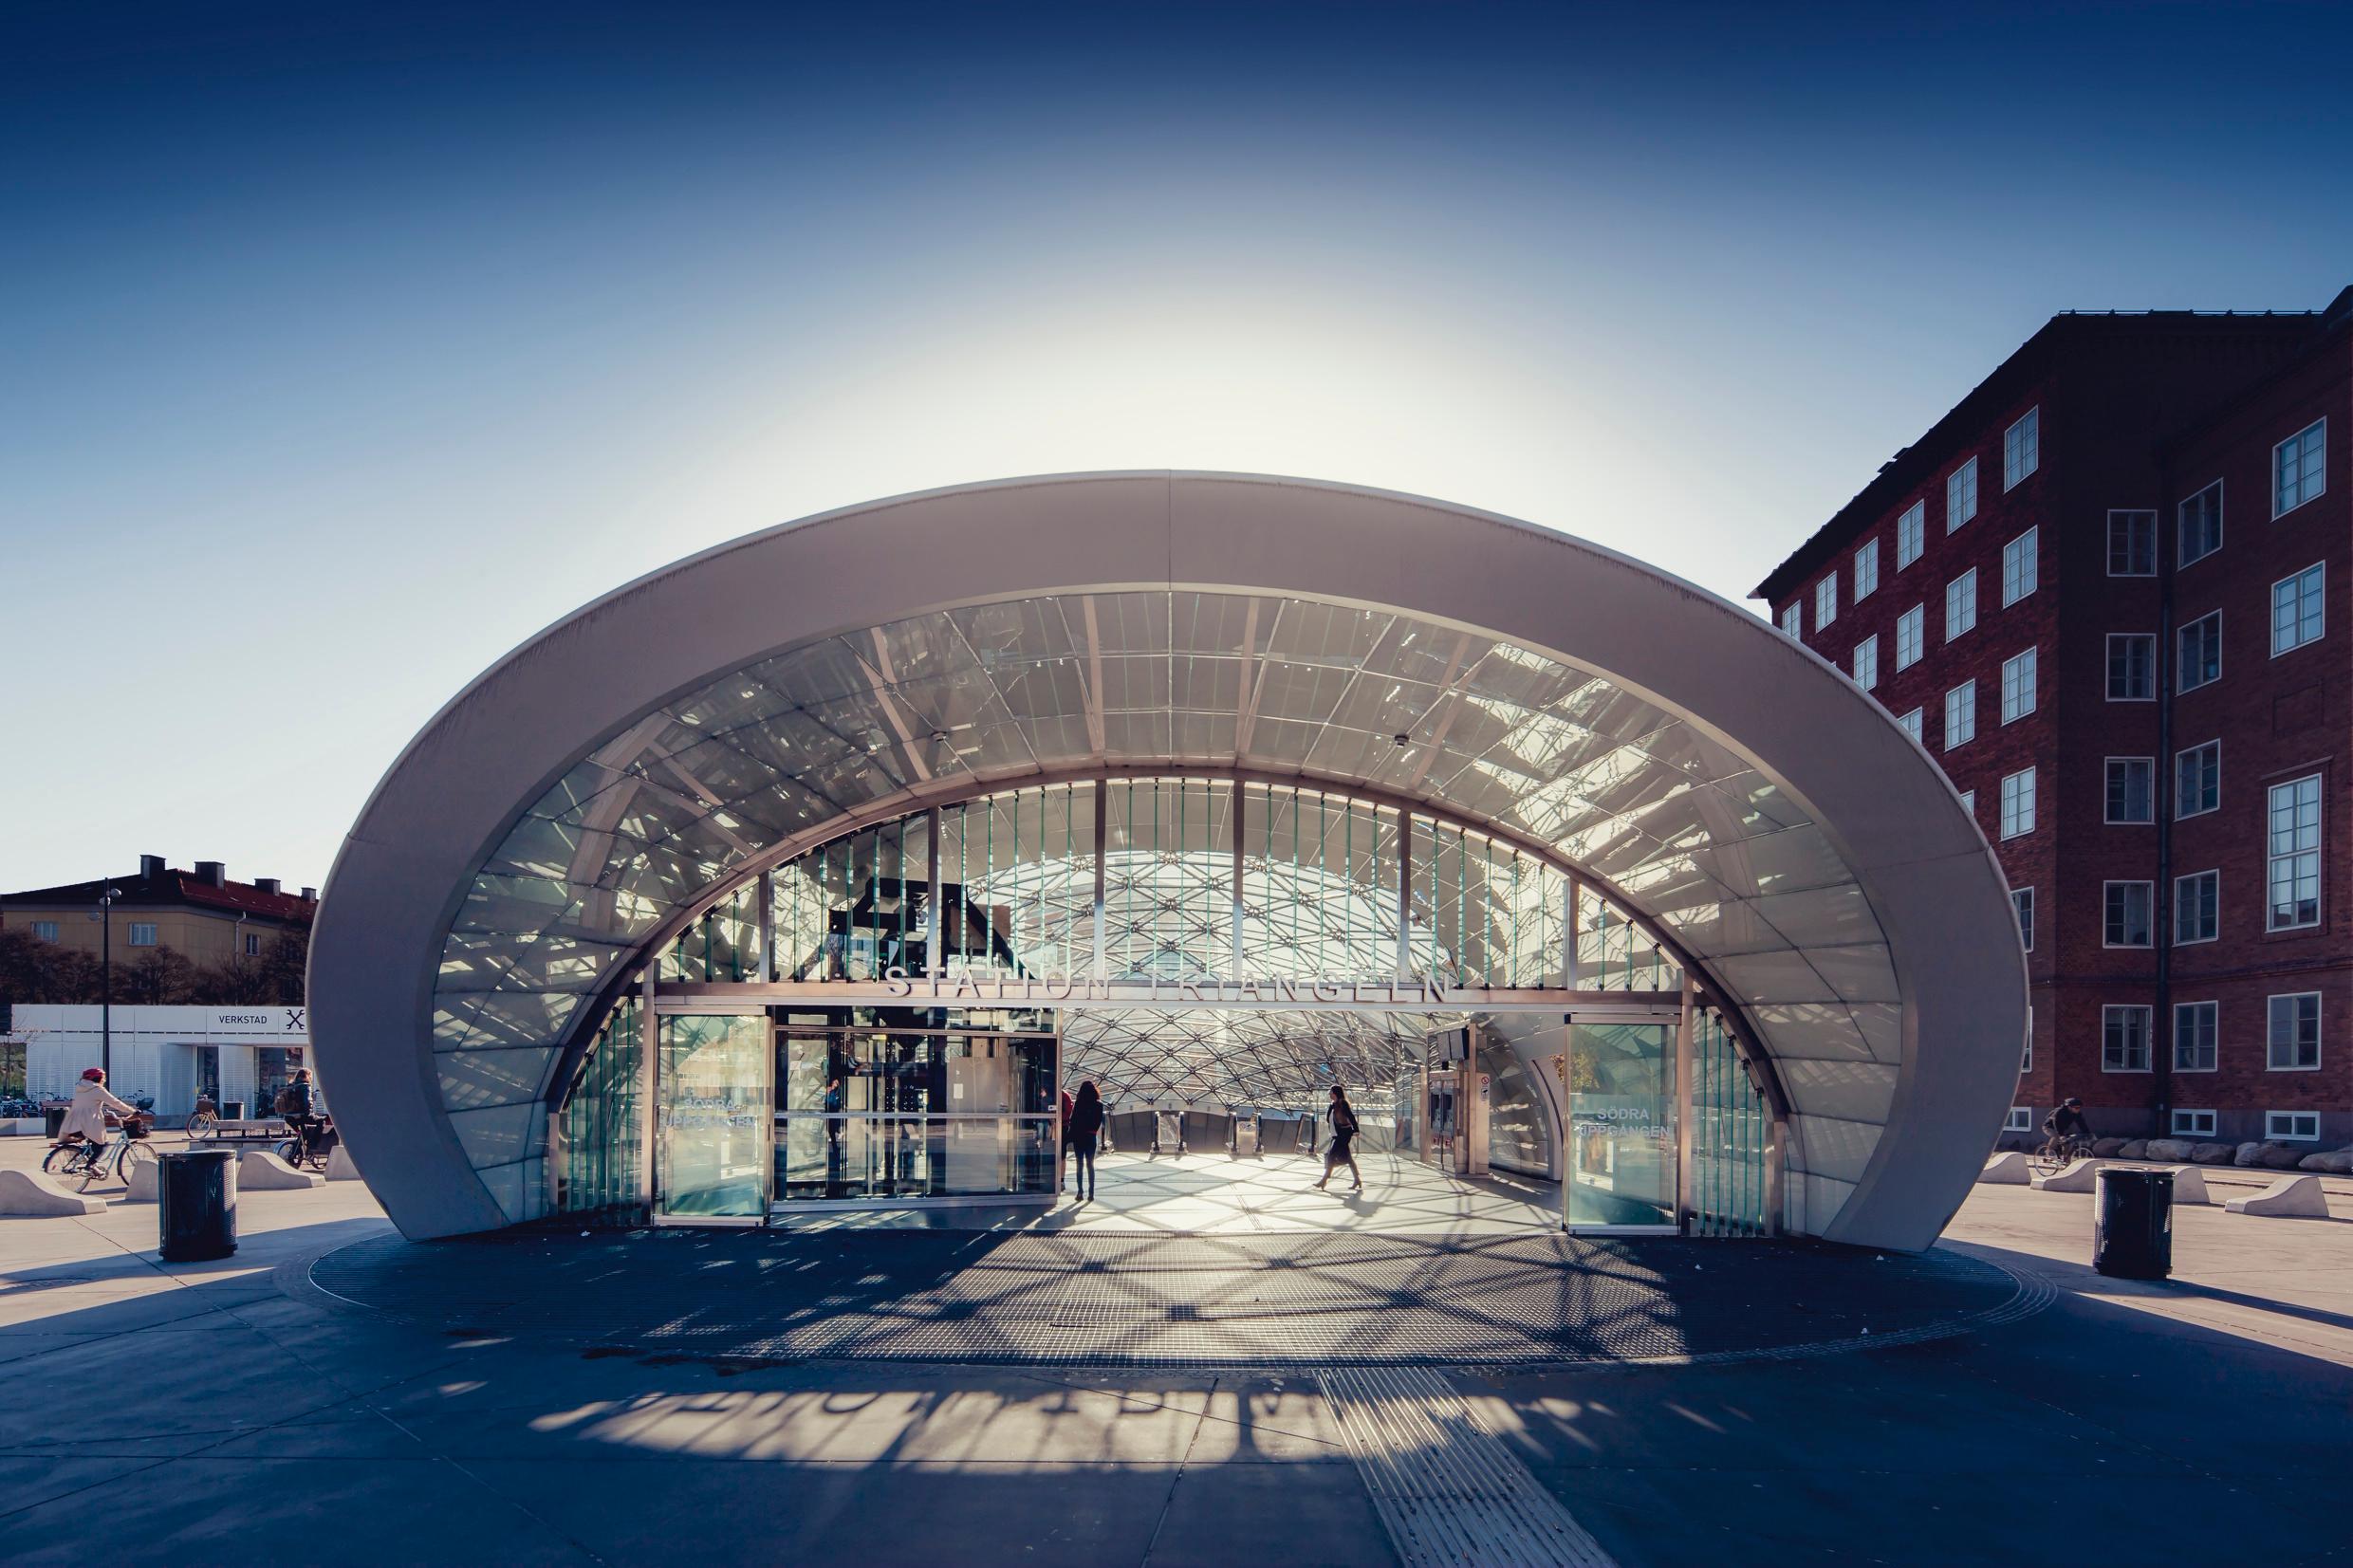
<point>88,1116</point>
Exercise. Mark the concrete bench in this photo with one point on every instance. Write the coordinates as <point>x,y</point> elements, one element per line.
<point>33,1194</point>
<point>2009,1169</point>
<point>339,1166</point>
<point>2291,1197</point>
<point>260,1170</point>
<point>2076,1177</point>
<point>245,1131</point>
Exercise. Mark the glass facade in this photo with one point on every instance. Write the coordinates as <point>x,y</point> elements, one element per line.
<point>601,1134</point>
<point>1731,1136</point>
<point>867,1114</point>
<point>714,1116</point>
<point>1623,1126</point>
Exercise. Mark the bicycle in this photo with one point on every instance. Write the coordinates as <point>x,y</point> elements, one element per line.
<point>74,1157</point>
<point>203,1126</point>
<point>312,1142</point>
<point>2057,1153</point>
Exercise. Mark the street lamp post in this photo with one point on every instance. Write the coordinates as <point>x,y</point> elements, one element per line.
<point>105,918</point>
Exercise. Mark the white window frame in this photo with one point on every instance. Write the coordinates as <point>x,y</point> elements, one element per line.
<point>2107,779</point>
<point>2273,856</point>
<point>1793,619</point>
<point>2107,914</point>
<point>2186,1125</point>
<point>2186,881</point>
<point>2280,1127</point>
<point>1826,600</point>
<point>2131,512</point>
<point>2318,603</point>
<point>2021,1118</point>
<point>1968,803</point>
<point>2021,672</point>
<point>1911,534</point>
<point>1965,709</point>
<point>2271,1038</point>
<point>2145,640</point>
<point>146,940</point>
<point>2318,431</point>
<point>2148,1030</point>
<point>1912,724</point>
<point>2215,746</point>
<point>1960,495</point>
<point>2026,1052</point>
<point>1910,632</point>
<point>1961,591</point>
<point>2018,814</point>
<point>2212,1045</point>
<point>2181,521</point>
<point>2182,683</point>
<point>2021,912</point>
<point>45,931</point>
<point>1866,569</point>
<point>2021,448</point>
<point>1866,663</point>
<point>2022,567</point>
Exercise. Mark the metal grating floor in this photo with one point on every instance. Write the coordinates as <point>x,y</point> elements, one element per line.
<point>1164,1301</point>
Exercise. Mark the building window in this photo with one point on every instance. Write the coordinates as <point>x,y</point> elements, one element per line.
<point>2194,1037</point>
<point>2194,1124</point>
<point>1867,662</point>
<point>2021,905</point>
<point>2020,571</point>
<point>253,944</point>
<point>2132,544</point>
<point>142,935</point>
<point>2296,609</point>
<point>2132,790</point>
<point>1960,604</point>
<point>2198,908</point>
<point>1826,602</point>
<point>2123,1040</point>
<point>1793,620</point>
<point>2197,525</point>
<point>1968,803</point>
<point>2198,652</point>
<point>45,931</point>
<point>1909,627</point>
<point>2026,1052</point>
<point>2292,1126</point>
<point>1867,570</point>
<point>2197,780</point>
<point>2299,470</point>
<point>1960,714</point>
<point>2021,1120</point>
<point>2132,667</point>
<point>2293,851</point>
<point>1960,495</point>
<point>1909,529</point>
<point>2128,914</point>
<point>1911,723</point>
<point>2018,686</point>
<point>2018,804</point>
<point>2021,448</point>
<point>2292,1033</point>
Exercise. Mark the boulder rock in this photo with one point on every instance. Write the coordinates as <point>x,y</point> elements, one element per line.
<point>2168,1149</point>
<point>2106,1149</point>
<point>2248,1154</point>
<point>2213,1153</point>
<point>2134,1149</point>
<point>2336,1162</point>
<point>2278,1156</point>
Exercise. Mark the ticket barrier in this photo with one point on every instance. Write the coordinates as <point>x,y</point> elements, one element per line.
<point>1454,1110</point>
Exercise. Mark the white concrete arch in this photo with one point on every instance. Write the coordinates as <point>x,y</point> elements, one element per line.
<point>612,772</point>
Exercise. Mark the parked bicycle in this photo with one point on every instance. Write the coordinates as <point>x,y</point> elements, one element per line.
<point>73,1157</point>
<point>203,1122</point>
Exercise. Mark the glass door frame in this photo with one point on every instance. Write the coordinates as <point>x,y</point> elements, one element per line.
<point>654,1130</point>
<point>1676,1017</point>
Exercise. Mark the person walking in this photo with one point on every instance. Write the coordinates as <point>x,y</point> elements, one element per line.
<point>1342,1148</point>
<point>1086,1119</point>
<point>1070,1101</point>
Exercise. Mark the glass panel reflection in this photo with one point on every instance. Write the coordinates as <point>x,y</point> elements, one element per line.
<point>1621,1155</point>
<point>867,1114</point>
<point>714,1108</point>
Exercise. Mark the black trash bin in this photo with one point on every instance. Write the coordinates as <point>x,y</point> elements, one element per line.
<point>54,1116</point>
<point>197,1205</point>
<point>233,1110</point>
<point>2132,1224</point>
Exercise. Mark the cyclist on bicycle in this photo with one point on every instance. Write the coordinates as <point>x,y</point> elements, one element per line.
<point>88,1116</point>
<point>296,1104</point>
<point>2066,1125</point>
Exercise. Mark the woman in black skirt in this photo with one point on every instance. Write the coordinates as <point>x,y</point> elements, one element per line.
<point>1342,1148</point>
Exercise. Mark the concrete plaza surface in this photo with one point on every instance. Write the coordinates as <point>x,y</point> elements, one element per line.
<point>233,1413</point>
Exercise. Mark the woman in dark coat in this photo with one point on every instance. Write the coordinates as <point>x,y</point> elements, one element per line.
<point>1343,1149</point>
<point>1086,1119</point>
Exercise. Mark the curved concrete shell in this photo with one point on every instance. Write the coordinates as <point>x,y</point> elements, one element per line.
<point>581,800</point>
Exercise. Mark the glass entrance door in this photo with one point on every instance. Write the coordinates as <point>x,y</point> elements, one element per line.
<point>714,1105</point>
<point>1620,1162</point>
<point>866,1114</point>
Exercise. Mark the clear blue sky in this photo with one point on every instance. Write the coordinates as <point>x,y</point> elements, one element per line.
<point>341,354</point>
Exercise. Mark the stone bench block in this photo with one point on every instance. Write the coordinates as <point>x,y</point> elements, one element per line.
<point>2190,1185</point>
<point>2291,1197</point>
<point>339,1166</point>
<point>143,1182</point>
<point>260,1170</point>
<point>33,1194</point>
<point>2075,1178</point>
<point>2009,1169</point>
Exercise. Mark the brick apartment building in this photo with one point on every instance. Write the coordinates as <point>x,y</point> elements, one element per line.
<point>200,915</point>
<point>2108,594</point>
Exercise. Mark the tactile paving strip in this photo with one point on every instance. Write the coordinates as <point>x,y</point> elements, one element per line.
<point>1160,1300</point>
